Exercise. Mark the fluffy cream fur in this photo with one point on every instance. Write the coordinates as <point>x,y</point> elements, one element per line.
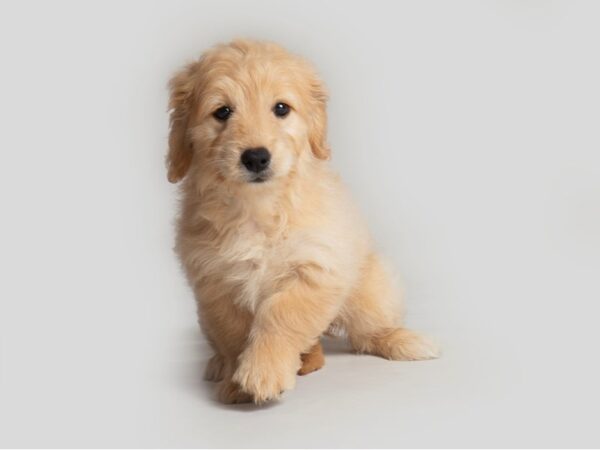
<point>273,265</point>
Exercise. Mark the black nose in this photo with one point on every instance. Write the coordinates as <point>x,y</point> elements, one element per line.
<point>256,159</point>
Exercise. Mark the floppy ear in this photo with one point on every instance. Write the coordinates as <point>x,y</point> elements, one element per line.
<point>317,133</point>
<point>181,98</point>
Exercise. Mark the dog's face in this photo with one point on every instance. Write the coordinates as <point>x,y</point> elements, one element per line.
<point>246,113</point>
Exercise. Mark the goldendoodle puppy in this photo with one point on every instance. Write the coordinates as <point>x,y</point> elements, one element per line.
<point>272,245</point>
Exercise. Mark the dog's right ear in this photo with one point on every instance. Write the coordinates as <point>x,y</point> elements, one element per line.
<point>181,102</point>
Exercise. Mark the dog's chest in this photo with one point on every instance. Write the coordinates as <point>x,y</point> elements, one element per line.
<point>251,258</point>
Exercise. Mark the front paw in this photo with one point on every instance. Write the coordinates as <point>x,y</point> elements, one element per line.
<point>230,393</point>
<point>263,377</point>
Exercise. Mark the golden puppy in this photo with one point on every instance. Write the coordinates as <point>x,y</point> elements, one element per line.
<point>272,245</point>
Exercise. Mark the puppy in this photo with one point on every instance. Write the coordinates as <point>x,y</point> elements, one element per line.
<point>273,247</point>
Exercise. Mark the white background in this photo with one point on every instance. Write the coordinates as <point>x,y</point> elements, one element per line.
<point>469,134</point>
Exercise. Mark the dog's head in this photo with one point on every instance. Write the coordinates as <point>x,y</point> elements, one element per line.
<point>246,113</point>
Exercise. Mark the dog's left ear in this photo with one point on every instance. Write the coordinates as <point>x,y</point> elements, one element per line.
<point>318,120</point>
<point>181,99</point>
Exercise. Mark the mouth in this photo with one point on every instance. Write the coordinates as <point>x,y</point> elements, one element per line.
<point>260,177</point>
<point>258,180</point>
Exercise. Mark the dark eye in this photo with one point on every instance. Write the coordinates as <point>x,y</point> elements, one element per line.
<point>223,113</point>
<point>281,109</point>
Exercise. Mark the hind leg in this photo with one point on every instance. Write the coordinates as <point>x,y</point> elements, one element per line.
<point>313,360</point>
<point>372,319</point>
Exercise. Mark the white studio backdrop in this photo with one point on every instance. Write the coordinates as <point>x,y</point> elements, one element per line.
<point>469,135</point>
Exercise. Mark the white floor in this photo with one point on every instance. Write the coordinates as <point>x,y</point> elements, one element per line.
<point>468,133</point>
<point>495,386</point>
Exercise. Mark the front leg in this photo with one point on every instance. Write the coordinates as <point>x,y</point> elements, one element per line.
<point>286,325</point>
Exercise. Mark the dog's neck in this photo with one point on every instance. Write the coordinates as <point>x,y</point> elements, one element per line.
<point>266,205</point>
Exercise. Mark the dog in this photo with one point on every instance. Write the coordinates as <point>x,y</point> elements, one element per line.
<point>272,245</point>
